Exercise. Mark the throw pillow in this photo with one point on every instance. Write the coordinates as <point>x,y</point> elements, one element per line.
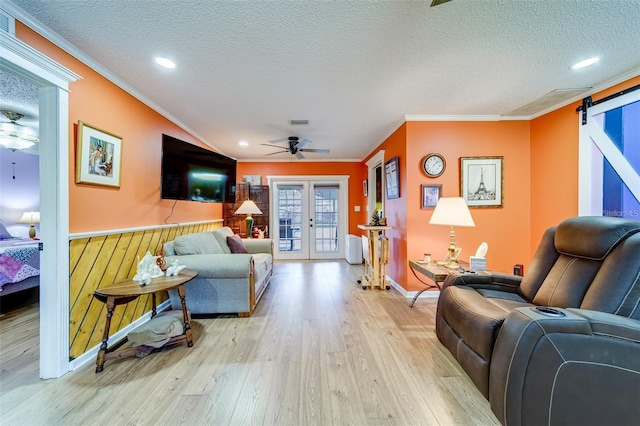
<point>4,234</point>
<point>236,244</point>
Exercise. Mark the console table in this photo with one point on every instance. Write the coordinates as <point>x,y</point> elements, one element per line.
<point>378,258</point>
<point>129,290</point>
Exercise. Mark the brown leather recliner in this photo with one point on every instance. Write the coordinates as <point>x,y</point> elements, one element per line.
<point>560,345</point>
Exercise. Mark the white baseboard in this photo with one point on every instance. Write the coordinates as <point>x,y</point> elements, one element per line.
<point>92,353</point>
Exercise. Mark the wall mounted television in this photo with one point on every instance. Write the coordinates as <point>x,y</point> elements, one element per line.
<point>191,173</point>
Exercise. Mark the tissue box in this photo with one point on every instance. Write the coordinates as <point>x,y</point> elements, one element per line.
<point>477,264</point>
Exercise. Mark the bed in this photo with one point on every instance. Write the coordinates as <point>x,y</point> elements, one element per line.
<point>19,265</point>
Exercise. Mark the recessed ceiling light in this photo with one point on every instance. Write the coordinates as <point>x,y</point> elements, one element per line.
<point>584,63</point>
<point>243,143</point>
<point>167,63</point>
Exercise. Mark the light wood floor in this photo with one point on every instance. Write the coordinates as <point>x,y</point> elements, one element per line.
<point>318,350</point>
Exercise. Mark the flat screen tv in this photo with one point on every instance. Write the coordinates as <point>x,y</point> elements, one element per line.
<point>196,174</point>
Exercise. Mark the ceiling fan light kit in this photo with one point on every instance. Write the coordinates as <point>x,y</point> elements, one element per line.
<point>15,136</point>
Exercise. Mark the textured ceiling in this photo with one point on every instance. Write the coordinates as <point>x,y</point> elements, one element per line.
<point>355,69</point>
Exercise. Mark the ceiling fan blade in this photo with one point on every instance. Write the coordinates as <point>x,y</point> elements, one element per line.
<point>438,2</point>
<point>319,151</point>
<point>303,142</point>
<point>299,155</point>
<point>279,140</point>
<point>272,146</point>
<point>277,152</point>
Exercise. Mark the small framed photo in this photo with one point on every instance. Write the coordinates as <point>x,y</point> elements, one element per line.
<point>365,187</point>
<point>253,180</point>
<point>98,156</point>
<point>482,181</point>
<point>430,195</point>
<point>392,177</point>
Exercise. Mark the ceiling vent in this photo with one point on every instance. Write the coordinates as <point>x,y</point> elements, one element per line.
<point>298,122</point>
<point>549,100</point>
<point>7,23</point>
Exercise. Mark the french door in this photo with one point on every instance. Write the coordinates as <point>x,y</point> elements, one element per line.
<point>309,216</point>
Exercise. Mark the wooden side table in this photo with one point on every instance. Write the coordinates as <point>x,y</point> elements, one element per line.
<point>436,273</point>
<point>129,290</point>
<point>378,258</point>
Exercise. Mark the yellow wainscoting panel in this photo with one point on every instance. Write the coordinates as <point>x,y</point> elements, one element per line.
<point>103,260</point>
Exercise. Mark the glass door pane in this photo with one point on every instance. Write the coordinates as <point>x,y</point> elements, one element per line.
<point>292,212</point>
<point>324,227</point>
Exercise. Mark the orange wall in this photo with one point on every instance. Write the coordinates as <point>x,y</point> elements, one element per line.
<point>98,102</point>
<point>355,171</point>
<point>554,164</point>
<point>395,210</point>
<point>504,229</point>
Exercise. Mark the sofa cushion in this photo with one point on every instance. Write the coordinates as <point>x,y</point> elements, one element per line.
<point>221,235</point>
<point>236,245</point>
<point>199,243</point>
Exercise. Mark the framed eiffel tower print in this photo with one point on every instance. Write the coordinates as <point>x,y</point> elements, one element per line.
<point>482,181</point>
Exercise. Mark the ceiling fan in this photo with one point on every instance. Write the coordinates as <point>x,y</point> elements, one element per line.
<point>295,147</point>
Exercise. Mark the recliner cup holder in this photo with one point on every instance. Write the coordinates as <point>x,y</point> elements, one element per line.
<point>544,310</point>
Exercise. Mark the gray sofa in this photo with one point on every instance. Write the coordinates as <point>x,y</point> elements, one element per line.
<point>561,345</point>
<point>227,282</point>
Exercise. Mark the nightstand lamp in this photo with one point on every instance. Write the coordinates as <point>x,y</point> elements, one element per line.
<point>452,211</point>
<point>249,208</point>
<point>31,218</point>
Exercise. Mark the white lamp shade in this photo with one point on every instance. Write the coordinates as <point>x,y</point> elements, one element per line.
<point>30,217</point>
<point>248,207</point>
<point>452,211</point>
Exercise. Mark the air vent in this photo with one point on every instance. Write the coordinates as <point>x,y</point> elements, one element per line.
<point>549,100</point>
<point>298,122</point>
<point>7,23</point>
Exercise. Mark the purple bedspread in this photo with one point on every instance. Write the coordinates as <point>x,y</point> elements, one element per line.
<point>19,263</point>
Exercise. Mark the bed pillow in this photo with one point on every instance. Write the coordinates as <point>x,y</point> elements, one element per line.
<point>4,234</point>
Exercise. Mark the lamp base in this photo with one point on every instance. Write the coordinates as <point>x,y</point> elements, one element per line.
<point>249,222</point>
<point>450,264</point>
<point>32,231</point>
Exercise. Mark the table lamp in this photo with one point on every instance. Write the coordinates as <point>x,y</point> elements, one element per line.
<point>452,211</point>
<point>249,207</point>
<point>31,218</point>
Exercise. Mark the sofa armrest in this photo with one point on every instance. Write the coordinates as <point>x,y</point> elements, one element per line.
<point>259,245</point>
<point>485,280</point>
<point>216,265</point>
<point>570,366</point>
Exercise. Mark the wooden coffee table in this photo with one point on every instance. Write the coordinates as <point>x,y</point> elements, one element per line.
<point>129,290</point>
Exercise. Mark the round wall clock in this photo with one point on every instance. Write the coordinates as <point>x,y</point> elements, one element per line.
<point>433,165</point>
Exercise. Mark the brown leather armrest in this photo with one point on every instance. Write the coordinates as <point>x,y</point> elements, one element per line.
<point>486,280</point>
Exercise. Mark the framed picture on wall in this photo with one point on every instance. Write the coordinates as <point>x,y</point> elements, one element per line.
<point>253,180</point>
<point>482,181</point>
<point>392,178</point>
<point>365,187</point>
<point>98,156</point>
<point>430,195</point>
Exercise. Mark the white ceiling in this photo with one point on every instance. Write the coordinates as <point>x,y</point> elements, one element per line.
<point>355,69</point>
